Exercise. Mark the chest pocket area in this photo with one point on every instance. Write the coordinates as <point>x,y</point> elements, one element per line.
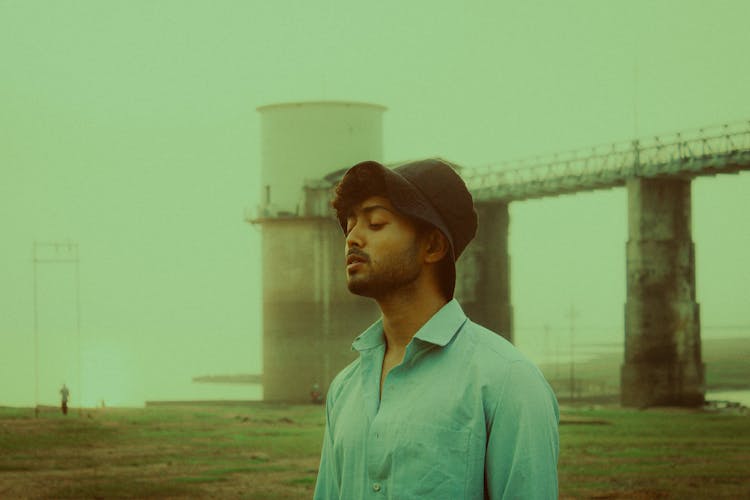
<point>433,460</point>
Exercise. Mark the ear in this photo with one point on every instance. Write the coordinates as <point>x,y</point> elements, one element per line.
<point>436,248</point>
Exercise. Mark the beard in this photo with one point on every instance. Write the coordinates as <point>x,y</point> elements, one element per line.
<point>385,276</point>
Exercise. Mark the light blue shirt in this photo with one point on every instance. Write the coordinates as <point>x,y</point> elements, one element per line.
<point>465,415</point>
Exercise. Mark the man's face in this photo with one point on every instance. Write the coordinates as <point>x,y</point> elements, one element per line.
<point>382,249</point>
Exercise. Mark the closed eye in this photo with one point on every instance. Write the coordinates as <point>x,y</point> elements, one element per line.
<point>350,223</point>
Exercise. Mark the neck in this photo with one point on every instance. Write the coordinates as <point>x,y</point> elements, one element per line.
<point>404,313</point>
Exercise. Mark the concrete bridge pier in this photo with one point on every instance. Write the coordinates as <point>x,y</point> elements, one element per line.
<point>483,271</point>
<point>662,325</point>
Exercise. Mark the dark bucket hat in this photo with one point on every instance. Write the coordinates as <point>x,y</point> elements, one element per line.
<point>429,190</point>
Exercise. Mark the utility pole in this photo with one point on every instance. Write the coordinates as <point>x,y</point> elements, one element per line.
<point>547,349</point>
<point>60,252</point>
<point>573,314</point>
<point>557,358</point>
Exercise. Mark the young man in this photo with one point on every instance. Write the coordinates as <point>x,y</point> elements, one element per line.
<point>435,406</point>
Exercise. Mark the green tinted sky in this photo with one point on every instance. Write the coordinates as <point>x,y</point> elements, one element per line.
<point>130,127</point>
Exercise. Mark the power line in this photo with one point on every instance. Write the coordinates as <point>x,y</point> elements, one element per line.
<point>56,252</point>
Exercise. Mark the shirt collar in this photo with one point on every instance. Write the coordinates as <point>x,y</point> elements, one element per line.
<point>439,329</point>
<point>443,325</point>
<point>372,337</point>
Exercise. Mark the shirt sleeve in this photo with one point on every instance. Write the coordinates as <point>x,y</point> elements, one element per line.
<point>523,442</point>
<point>327,483</point>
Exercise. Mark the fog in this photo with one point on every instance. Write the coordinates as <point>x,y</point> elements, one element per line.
<point>129,129</point>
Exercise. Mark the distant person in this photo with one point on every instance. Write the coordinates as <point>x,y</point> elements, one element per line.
<point>64,393</point>
<point>316,397</point>
<point>435,406</point>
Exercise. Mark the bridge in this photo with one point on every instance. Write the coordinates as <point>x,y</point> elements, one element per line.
<point>663,364</point>
<point>304,290</point>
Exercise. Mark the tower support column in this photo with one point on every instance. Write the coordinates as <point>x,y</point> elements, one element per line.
<point>483,272</point>
<point>662,322</point>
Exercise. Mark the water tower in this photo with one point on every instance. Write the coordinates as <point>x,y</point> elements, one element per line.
<point>309,317</point>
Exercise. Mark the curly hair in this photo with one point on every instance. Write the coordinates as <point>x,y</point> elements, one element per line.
<point>354,189</point>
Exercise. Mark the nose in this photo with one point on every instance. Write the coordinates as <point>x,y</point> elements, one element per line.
<point>354,238</point>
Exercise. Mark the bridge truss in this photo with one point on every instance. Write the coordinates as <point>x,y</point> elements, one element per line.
<point>706,151</point>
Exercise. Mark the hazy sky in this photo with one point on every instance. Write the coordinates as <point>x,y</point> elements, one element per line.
<point>130,128</point>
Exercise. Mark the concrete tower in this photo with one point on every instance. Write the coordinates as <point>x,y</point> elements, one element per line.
<point>309,316</point>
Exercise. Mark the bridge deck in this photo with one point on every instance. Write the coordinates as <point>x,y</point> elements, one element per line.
<point>718,150</point>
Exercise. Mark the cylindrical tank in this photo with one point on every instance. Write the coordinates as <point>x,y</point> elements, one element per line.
<point>309,316</point>
<point>307,140</point>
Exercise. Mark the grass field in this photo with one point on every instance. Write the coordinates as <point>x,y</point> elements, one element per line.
<point>271,452</point>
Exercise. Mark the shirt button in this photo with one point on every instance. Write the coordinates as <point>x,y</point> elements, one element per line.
<point>376,487</point>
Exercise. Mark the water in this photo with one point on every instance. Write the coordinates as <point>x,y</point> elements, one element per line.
<point>173,389</point>
<point>581,353</point>
<point>742,397</point>
<point>194,391</point>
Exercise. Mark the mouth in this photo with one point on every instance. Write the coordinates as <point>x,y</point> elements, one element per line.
<point>355,260</point>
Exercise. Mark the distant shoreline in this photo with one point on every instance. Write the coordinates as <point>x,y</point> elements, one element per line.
<point>229,379</point>
<point>206,402</point>
<point>598,378</point>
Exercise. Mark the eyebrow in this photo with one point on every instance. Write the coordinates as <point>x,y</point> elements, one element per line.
<point>370,208</point>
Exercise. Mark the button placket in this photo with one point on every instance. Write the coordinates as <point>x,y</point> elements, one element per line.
<point>375,449</point>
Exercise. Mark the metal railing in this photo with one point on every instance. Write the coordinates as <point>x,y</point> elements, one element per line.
<point>699,152</point>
